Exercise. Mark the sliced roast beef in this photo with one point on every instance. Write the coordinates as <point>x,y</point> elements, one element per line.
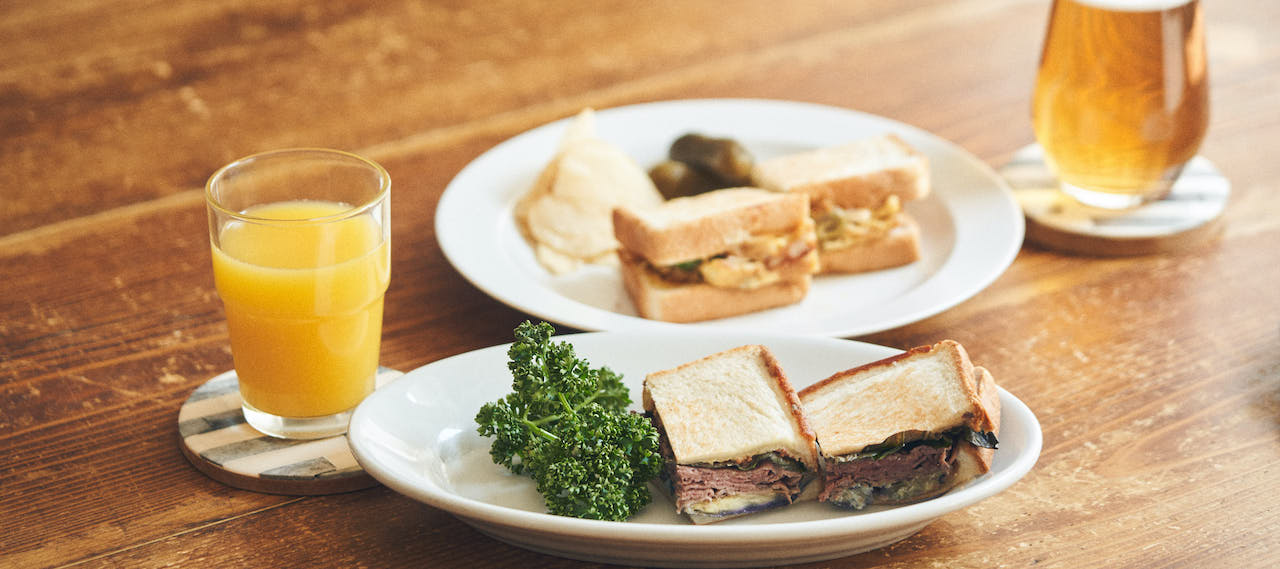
<point>693,484</point>
<point>917,461</point>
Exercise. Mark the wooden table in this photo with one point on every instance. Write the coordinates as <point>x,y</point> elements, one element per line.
<point>1156,379</point>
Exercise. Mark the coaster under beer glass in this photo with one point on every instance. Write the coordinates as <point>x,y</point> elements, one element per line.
<point>1121,99</point>
<point>301,259</point>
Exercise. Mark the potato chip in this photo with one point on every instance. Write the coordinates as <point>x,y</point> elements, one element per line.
<point>568,212</point>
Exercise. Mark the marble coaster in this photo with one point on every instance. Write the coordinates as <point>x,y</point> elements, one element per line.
<point>1190,215</point>
<point>219,443</point>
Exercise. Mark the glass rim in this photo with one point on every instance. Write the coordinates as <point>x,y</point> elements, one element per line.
<point>384,186</point>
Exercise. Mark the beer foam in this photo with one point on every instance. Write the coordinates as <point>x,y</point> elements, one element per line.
<point>1134,5</point>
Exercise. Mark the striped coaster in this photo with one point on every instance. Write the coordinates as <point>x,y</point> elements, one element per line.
<point>218,442</point>
<point>1190,215</point>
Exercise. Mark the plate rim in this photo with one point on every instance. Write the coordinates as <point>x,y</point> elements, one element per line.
<point>451,233</point>
<point>472,511</point>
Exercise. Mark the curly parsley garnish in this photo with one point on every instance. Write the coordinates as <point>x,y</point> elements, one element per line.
<point>567,426</point>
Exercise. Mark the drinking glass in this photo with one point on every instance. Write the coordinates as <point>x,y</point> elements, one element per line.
<point>1121,100</point>
<point>301,259</point>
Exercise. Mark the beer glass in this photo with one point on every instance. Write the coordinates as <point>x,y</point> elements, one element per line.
<point>301,259</point>
<point>1121,100</point>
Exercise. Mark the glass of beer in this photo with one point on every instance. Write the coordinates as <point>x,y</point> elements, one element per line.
<point>1121,101</point>
<point>301,259</point>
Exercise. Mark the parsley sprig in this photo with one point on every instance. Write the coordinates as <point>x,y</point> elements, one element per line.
<point>566,425</point>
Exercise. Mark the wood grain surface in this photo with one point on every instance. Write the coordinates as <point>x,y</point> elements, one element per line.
<point>1156,378</point>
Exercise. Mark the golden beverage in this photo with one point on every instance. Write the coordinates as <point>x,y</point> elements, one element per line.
<point>301,259</point>
<point>1122,97</point>
<point>304,305</point>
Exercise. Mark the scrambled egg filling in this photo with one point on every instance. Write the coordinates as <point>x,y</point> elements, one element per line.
<point>751,264</point>
<point>840,228</point>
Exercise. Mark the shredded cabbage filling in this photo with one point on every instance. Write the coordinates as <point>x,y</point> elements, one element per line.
<point>841,228</point>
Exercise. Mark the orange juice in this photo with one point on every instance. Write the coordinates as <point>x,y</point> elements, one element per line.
<point>304,306</point>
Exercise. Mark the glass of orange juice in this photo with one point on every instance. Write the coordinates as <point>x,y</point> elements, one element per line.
<point>301,242</point>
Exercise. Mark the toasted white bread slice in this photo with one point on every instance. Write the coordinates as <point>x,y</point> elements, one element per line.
<point>718,416</point>
<point>859,174</point>
<point>657,299</point>
<point>900,246</point>
<point>922,393</point>
<point>729,406</point>
<point>696,227</point>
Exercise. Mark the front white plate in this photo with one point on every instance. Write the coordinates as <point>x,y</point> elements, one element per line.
<point>972,227</point>
<point>418,437</point>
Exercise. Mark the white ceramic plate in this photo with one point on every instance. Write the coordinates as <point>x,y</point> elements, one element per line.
<point>972,228</point>
<point>417,435</point>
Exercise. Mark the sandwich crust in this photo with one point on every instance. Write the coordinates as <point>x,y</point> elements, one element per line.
<point>990,421</point>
